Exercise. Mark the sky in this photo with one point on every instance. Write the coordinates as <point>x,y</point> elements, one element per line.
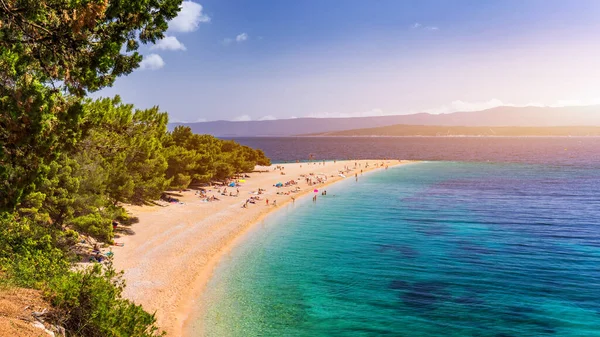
<point>259,60</point>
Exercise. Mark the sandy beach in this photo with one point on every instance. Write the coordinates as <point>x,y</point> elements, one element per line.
<point>170,254</point>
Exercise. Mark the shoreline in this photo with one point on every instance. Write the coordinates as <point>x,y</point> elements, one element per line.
<point>175,250</point>
<point>198,311</point>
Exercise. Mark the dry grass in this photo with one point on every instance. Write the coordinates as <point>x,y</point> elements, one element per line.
<point>16,306</point>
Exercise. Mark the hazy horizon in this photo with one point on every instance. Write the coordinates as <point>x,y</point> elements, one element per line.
<point>388,115</point>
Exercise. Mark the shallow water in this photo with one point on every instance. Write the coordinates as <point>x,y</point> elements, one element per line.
<point>429,249</point>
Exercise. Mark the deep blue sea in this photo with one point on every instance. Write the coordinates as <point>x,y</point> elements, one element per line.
<point>439,248</point>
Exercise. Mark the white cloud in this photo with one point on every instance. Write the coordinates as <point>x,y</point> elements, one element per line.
<point>417,25</point>
<point>242,118</point>
<point>459,105</point>
<point>189,18</point>
<point>241,37</point>
<point>369,113</point>
<point>152,62</point>
<point>168,43</point>
<point>176,120</point>
<point>238,39</point>
<point>455,106</point>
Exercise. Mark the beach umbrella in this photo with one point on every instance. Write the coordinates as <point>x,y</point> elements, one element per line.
<point>316,190</point>
<point>242,181</point>
<point>232,185</point>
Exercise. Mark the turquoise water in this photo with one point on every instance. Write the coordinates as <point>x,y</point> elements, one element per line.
<point>430,249</point>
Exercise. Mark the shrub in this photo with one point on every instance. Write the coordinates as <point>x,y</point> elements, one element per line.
<point>94,224</point>
<point>89,303</point>
<point>28,253</point>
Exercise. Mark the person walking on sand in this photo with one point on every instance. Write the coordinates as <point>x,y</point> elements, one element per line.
<point>275,203</point>
<point>267,202</point>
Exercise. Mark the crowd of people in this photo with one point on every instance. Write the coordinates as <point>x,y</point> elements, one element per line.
<point>204,197</point>
<point>232,188</point>
<point>252,200</point>
<point>314,179</point>
<point>286,184</point>
<point>297,189</point>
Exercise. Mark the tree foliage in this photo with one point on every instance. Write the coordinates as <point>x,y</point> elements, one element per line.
<point>79,42</point>
<point>124,155</point>
<point>202,158</point>
<point>127,144</point>
<point>52,47</point>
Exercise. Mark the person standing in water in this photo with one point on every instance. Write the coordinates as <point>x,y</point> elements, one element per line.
<point>356,176</point>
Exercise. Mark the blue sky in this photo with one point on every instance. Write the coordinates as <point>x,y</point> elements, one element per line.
<point>252,60</point>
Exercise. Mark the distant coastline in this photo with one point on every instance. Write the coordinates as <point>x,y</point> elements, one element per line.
<point>465,131</point>
<point>500,117</point>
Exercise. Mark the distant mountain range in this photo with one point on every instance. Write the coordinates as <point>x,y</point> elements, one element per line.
<point>500,116</point>
<point>435,130</point>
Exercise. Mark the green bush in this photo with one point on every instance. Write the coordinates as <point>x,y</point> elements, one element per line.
<point>89,303</point>
<point>28,253</point>
<point>181,181</point>
<point>86,302</point>
<point>95,225</point>
<point>120,214</point>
